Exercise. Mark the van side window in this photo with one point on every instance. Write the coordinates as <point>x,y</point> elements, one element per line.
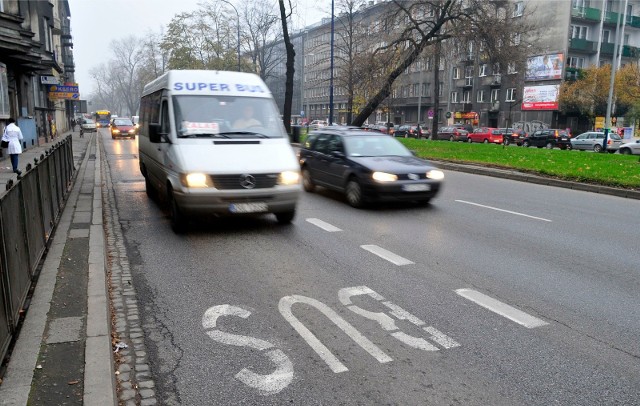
<point>164,124</point>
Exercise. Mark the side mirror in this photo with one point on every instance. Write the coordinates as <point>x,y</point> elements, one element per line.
<point>154,133</point>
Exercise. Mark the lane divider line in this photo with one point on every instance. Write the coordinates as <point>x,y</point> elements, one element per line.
<point>504,211</point>
<point>323,225</point>
<point>502,309</point>
<point>388,255</point>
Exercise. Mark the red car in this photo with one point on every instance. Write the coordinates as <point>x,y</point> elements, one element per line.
<point>122,128</point>
<point>486,135</point>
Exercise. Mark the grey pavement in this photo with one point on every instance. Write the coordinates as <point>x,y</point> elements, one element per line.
<point>64,351</point>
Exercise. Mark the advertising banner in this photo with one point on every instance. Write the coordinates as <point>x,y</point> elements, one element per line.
<point>63,92</point>
<point>545,67</point>
<point>540,97</point>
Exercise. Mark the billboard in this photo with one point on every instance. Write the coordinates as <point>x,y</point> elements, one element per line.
<point>540,97</point>
<point>545,67</point>
<point>63,92</point>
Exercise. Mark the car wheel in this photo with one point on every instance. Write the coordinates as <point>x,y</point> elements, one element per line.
<point>431,137</point>
<point>569,147</point>
<point>285,217</point>
<point>486,141</point>
<point>526,144</point>
<point>451,138</point>
<point>625,151</point>
<point>353,193</point>
<point>597,148</point>
<point>307,182</point>
<point>151,191</point>
<point>178,220</point>
<point>549,145</point>
<point>469,140</point>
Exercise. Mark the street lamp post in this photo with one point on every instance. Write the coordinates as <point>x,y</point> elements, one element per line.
<point>331,64</point>
<point>238,21</point>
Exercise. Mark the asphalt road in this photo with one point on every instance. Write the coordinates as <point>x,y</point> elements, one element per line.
<point>499,293</point>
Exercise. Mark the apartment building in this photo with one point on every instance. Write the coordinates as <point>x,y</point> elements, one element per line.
<point>572,35</point>
<point>35,54</point>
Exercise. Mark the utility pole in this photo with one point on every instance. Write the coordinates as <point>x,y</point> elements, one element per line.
<point>607,123</point>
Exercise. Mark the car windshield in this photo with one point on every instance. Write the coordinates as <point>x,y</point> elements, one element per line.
<point>374,146</point>
<point>89,121</point>
<point>122,121</point>
<point>227,117</point>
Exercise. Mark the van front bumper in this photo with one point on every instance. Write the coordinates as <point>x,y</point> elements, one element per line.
<point>274,200</point>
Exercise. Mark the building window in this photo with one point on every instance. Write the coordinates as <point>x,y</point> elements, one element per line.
<point>579,31</point>
<point>454,97</point>
<point>483,70</point>
<point>468,72</point>
<point>495,95</point>
<point>605,36</point>
<point>511,94</point>
<point>496,69</point>
<point>456,73</point>
<point>480,96</point>
<point>575,62</point>
<point>516,38</point>
<point>466,97</point>
<point>440,89</point>
<point>518,9</point>
<point>511,68</point>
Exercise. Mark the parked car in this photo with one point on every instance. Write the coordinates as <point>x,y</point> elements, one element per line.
<point>410,131</point>
<point>315,124</point>
<point>630,148</point>
<point>513,136</point>
<point>594,140</point>
<point>366,167</point>
<point>547,137</point>
<point>122,128</point>
<point>486,135</point>
<point>451,133</point>
<point>87,125</point>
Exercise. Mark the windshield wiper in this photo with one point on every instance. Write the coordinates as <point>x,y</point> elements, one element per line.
<point>203,135</point>
<point>244,133</point>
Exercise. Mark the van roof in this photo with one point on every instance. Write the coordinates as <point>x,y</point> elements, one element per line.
<point>209,82</point>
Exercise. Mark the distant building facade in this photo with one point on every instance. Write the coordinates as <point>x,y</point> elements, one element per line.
<point>35,53</point>
<point>575,34</point>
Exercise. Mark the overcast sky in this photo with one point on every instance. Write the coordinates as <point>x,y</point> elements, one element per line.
<point>95,23</point>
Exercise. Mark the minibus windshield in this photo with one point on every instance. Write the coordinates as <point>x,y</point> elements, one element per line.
<point>226,117</point>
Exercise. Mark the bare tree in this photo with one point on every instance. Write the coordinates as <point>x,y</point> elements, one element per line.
<point>260,22</point>
<point>419,25</point>
<point>291,55</point>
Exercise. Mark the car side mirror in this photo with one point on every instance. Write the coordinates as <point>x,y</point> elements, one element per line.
<point>155,135</point>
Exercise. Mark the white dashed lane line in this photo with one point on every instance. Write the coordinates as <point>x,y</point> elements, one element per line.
<point>502,309</point>
<point>388,255</point>
<point>504,211</point>
<point>323,225</point>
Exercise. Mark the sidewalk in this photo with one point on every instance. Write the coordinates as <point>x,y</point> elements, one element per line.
<point>63,351</point>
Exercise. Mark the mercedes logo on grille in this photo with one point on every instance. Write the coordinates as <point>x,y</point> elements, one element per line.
<point>413,176</point>
<point>247,181</point>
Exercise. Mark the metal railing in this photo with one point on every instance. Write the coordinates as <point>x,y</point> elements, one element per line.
<point>29,211</point>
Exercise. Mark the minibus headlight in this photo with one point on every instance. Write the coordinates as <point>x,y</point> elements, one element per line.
<point>196,180</point>
<point>384,177</point>
<point>435,174</point>
<point>289,178</point>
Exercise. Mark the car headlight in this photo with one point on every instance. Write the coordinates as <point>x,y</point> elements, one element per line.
<point>435,174</point>
<point>115,131</point>
<point>132,131</point>
<point>289,178</point>
<point>384,177</point>
<point>196,180</point>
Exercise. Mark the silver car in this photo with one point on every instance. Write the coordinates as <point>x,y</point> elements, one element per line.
<point>630,148</point>
<point>592,141</point>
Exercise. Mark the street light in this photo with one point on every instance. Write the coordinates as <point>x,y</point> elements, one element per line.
<point>331,80</point>
<point>238,15</point>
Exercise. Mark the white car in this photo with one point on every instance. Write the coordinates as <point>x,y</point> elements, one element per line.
<point>592,141</point>
<point>315,124</point>
<point>87,126</point>
<point>630,148</point>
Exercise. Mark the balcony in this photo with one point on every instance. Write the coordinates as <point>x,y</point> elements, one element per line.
<point>587,13</point>
<point>582,45</point>
<point>627,51</point>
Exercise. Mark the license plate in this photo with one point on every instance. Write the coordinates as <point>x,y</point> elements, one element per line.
<point>247,207</point>
<point>416,188</point>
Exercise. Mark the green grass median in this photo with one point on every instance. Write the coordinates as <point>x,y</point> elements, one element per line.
<point>604,169</point>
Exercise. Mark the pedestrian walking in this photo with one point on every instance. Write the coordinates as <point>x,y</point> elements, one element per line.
<point>12,138</point>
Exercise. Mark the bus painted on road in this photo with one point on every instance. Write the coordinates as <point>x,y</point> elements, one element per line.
<point>103,118</point>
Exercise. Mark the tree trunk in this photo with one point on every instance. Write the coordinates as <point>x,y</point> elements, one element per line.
<point>291,54</point>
